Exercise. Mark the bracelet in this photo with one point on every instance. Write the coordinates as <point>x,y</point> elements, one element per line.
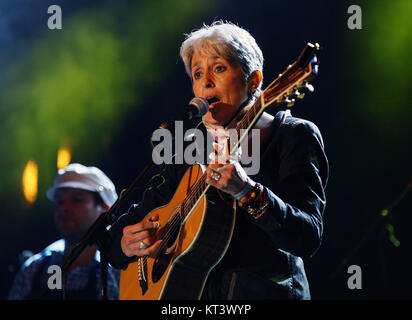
<point>251,196</point>
<point>263,205</point>
<point>259,212</point>
<point>256,201</point>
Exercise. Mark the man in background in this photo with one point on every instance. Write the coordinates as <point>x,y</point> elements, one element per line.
<point>80,194</point>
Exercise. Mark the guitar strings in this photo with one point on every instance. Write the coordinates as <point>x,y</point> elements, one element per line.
<point>195,192</point>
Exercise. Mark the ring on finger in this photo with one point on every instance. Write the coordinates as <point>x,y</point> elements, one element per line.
<point>142,245</point>
<point>215,176</point>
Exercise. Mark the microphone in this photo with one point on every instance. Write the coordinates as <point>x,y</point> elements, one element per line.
<point>197,108</point>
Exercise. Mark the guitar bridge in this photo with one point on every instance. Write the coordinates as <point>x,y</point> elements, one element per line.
<point>142,273</point>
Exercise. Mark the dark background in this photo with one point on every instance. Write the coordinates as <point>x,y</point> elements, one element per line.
<point>360,104</point>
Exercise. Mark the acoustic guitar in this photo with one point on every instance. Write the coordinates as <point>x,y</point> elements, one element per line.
<point>196,226</point>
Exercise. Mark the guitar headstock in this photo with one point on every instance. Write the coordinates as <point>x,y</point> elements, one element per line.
<point>285,89</point>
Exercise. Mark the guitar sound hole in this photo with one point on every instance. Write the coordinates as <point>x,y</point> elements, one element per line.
<point>170,235</point>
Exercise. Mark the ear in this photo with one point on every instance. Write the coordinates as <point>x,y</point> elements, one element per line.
<point>254,80</point>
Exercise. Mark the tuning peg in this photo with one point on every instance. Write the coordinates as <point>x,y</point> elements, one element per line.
<point>289,102</point>
<point>309,87</point>
<point>299,95</point>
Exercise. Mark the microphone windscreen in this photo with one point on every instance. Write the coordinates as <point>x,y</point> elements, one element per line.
<point>201,105</point>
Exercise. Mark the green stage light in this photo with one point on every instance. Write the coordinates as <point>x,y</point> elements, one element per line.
<point>381,65</point>
<point>76,86</point>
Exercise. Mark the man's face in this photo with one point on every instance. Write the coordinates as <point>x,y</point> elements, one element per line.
<point>75,211</point>
<point>214,76</point>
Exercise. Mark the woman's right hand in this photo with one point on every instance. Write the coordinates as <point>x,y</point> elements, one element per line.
<point>139,239</point>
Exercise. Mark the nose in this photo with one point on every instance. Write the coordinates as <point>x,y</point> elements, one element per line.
<point>63,206</point>
<point>208,80</point>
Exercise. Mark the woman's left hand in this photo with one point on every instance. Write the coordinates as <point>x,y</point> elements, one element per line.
<point>229,177</point>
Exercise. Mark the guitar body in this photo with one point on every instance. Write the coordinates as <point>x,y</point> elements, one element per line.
<point>193,246</point>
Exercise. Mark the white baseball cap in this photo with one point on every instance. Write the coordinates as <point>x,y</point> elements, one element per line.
<point>78,176</point>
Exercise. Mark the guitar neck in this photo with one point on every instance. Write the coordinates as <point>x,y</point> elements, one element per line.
<point>194,196</point>
<point>245,125</point>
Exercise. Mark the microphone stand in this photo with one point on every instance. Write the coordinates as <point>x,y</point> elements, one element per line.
<point>94,234</point>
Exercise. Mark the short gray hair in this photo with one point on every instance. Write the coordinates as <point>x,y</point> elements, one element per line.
<point>229,41</point>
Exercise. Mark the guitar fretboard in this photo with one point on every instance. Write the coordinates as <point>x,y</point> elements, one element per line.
<point>193,196</point>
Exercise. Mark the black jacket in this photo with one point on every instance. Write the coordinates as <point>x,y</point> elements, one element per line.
<point>264,259</point>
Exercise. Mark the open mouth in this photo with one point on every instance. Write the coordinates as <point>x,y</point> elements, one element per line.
<point>212,100</point>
